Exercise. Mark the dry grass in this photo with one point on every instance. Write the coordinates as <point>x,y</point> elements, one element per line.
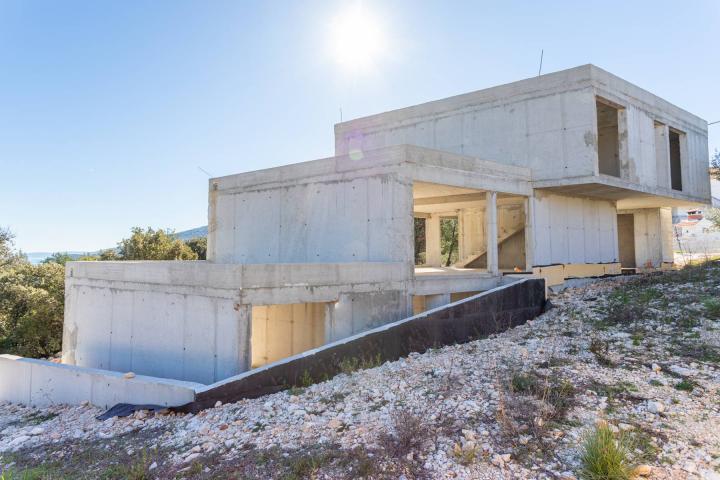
<point>605,457</point>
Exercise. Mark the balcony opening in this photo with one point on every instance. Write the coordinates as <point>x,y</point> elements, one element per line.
<point>675,160</point>
<point>450,230</point>
<point>608,139</point>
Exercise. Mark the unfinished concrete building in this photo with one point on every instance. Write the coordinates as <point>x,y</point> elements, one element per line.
<point>567,175</point>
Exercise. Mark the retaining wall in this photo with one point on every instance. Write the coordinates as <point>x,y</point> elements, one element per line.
<point>475,317</point>
<point>41,383</point>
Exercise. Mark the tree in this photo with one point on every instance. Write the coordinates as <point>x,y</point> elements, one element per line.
<point>420,241</point>
<point>31,303</point>
<point>8,255</point>
<point>153,245</point>
<point>199,246</point>
<point>109,254</point>
<point>713,215</point>
<point>449,240</point>
<point>59,258</point>
<point>715,165</point>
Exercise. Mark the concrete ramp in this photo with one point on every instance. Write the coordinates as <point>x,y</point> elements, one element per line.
<point>475,317</point>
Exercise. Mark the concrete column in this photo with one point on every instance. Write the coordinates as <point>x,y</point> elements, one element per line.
<point>433,256</point>
<point>435,301</point>
<point>244,319</point>
<point>491,237</point>
<point>529,233</point>
<point>666,236</point>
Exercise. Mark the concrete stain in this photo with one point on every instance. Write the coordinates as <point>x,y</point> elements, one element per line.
<point>590,139</point>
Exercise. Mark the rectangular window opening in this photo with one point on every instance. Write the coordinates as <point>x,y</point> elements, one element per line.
<point>608,139</point>
<point>675,160</point>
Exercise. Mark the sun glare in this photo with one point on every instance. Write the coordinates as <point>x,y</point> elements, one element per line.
<point>356,39</point>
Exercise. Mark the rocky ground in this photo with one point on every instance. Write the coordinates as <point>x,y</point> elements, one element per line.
<point>642,353</point>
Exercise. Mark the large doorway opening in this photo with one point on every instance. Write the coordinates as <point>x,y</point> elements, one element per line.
<point>280,331</point>
<point>626,239</point>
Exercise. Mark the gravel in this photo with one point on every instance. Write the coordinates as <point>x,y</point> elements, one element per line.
<point>468,412</point>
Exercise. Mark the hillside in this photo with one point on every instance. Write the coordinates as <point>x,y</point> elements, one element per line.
<point>192,233</point>
<point>185,235</point>
<point>642,354</point>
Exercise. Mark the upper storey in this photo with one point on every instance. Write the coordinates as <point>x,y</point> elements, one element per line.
<point>583,128</point>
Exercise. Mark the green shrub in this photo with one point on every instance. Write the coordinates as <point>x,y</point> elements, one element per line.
<point>31,309</point>
<point>604,457</point>
<point>712,308</point>
<point>685,385</point>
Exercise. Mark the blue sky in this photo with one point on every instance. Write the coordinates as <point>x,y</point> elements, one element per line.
<point>107,109</point>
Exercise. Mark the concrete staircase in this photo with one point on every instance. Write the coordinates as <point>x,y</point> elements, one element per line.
<point>470,260</point>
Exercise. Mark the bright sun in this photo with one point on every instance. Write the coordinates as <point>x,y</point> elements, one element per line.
<point>356,39</point>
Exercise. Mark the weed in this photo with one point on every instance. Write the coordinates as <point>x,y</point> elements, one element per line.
<point>600,348</point>
<point>604,457</point>
<point>305,466</point>
<point>712,308</point>
<point>353,364</point>
<point>523,383</point>
<point>698,351</point>
<point>655,383</point>
<point>138,469</point>
<point>465,456</point>
<point>642,446</point>
<point>529,402</point>
<point>409,434</point>
<point>41,472</point>
<point>305,379</point>
<point>685,385</point>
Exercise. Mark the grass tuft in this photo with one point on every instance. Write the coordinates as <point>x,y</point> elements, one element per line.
<point>604,457</point>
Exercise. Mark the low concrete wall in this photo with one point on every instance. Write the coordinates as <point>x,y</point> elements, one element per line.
<point>192,320</point>
<point>40,383</point>
<point>468,319</point>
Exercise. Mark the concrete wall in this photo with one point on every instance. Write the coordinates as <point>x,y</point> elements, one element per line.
<point>571,230</point>
<point>41,383</point>
<point>548,124</point>
<point>354,313</point>
<point>647,118</point>
<point>468,319</point>
<point>357,215</point>
<point>167,332</point>
<point>545,123</point>
<point>192,320</point>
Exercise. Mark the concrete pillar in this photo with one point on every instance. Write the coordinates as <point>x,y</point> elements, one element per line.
<point>491,237</point>
<point>244,318</point>
<point>666,236</point>
<point>529,233</point>
<point>435,301</point>
<point>433,256</point>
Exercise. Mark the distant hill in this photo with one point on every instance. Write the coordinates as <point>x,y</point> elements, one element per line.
<point>38,257</point>
<point>185,235</point>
